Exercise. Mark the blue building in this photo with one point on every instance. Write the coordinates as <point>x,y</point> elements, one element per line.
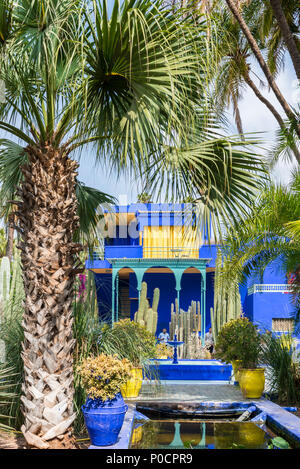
<point>158,244</point>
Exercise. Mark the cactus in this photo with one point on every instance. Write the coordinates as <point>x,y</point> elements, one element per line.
<point>187,325</point>
<point>4,279</point>
<point>155,301</point>
<point>227,300</point>
<point>145,315</point>
<point>11,291</point>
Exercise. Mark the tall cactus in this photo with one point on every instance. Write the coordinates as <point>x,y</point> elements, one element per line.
<point>11,291</point>
<point>145,315</point>
<point>187,324</point>
<point>4,278</point>
<point>227,299</point>
<point>4,294</point>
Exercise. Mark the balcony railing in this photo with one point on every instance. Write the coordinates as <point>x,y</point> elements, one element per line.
<point>170,252</point>
<point>98,254</point>
<point>270,288</point>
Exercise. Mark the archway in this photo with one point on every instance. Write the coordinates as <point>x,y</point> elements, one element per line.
<point>161,277</point>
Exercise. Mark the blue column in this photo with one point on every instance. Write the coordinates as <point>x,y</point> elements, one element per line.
<point>178,274</point>
<point>113,299</point>
<point>117,297</point>
<point>203,305</point>
<point>139,272</point>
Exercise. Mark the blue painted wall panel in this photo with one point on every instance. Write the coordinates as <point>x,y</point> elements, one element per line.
<point>270,305</point>
<point>103,287</point>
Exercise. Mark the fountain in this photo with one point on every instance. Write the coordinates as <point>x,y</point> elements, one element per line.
<point>174,343</point>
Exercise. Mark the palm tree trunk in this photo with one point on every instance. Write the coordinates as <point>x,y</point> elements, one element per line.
<point>257,53</point>
<point>46,220</point>
<point>287,35</point>
<point>237,115</point>
<point>271,108</point>
<point>264,100</point>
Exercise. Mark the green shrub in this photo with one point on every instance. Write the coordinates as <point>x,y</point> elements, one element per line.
<point>103,376</point>
<point>284,377</point>
<point>239,340</point>
<point>128,339</point>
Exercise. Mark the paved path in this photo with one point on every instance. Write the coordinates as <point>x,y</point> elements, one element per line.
<point>184,391</point>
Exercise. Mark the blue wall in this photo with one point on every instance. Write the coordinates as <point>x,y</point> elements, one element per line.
<point>267,306</point>
<point>103,287</point>
<point>261,308</point>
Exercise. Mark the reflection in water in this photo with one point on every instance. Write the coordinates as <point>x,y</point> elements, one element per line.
<point>193,434</point>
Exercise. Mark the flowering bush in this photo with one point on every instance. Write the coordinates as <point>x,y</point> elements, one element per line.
<point>239,340</point>
<point>163,350</point>
<point>82,290</point>
<point>103,376</point>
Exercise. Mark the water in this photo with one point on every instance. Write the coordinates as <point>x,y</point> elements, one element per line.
<point>191,434</point>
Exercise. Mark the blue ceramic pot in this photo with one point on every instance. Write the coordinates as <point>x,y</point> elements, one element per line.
<point>104,420</point>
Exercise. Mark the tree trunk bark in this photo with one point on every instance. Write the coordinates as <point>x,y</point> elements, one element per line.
<point>237,115</point>
<point>47,219</point>
<point>287,35</point>
<point>259,57</point>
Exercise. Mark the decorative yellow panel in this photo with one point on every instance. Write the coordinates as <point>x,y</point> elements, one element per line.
<point>170,242</point>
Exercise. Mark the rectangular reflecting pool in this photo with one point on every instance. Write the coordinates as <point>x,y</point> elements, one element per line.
<point>196,434</point>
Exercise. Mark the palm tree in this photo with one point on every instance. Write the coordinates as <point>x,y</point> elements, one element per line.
<point>128,85</point>
<point>90,201</point>
<point>75,77</point>
<point>269,232</point>
<point>234,73</point>
<point>286,13</point>
<point>238,15</point>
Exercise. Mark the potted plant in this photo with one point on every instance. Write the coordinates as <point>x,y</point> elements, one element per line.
<point>104,410</point>
<point>163,351</point>
<point>239,340</point>
<point>130,340</point>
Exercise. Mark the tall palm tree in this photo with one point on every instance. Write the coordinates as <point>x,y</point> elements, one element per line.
<point>237,13</point>
<point>127,84</point>
<point>235,73</point>
<point>268,233</point>
<point>287,14</point>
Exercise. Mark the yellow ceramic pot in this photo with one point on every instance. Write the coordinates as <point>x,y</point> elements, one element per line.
<point>133,386</point>
<point>252,382</point>
<point>235,366</point>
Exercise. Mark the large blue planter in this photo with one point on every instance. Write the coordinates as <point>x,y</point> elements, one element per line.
<point>104,420</point>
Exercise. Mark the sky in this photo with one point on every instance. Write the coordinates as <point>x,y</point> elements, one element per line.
<point>255,116</point>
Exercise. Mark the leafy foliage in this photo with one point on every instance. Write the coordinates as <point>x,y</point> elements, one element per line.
<point>7,396</point>
<point>163,351</point>
<point>90,200</point>
<point>239,340</point>
<point>12,334</point>
<point>284,372</point>
<point>131,85</point>
<point>86,329</point>
<point>267,234</point>
<point>128,339</point>
<point>103,376</point>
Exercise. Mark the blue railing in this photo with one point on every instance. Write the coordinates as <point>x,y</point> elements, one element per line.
<point>140,252</point>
